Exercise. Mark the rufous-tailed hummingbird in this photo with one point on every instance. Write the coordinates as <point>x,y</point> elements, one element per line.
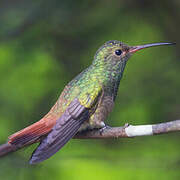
<point>84,103</point>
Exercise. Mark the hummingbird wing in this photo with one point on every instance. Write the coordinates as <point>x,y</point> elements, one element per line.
<point>65,128</point>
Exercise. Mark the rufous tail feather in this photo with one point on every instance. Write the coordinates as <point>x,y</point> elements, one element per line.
<point>32,132</point>
<point>27,136</point>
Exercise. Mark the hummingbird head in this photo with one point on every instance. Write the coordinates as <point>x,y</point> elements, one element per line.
<point>114,53</point>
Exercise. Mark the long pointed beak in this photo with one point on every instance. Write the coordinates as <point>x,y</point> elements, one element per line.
<point>134,49</point>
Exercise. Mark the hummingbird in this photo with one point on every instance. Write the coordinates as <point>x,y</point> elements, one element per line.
<point>84,103</point>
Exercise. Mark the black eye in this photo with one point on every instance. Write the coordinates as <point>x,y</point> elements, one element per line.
<point>118,52</point>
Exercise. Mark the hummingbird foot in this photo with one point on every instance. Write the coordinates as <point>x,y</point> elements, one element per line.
<point>103,128</point>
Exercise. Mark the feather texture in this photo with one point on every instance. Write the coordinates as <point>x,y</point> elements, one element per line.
<point>66,127</point>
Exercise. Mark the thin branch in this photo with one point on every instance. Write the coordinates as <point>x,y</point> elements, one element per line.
<point>131,131</point>
<point>109,132</point>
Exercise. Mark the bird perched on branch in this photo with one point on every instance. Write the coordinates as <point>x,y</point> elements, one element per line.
<point>84,103</point>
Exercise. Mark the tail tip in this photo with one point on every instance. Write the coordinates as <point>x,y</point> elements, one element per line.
<point>32,161</point>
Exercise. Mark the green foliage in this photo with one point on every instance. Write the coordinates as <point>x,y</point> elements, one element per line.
<point>43,48</point>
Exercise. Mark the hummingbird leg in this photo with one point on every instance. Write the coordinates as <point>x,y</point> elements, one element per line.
<point>102,124</point>
<point>103,128</point>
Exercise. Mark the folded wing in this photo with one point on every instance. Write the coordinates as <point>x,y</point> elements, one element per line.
<point>65,128</point>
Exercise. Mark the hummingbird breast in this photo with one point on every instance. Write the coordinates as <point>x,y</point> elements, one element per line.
<point>96,120</point>
<point>109,81</point>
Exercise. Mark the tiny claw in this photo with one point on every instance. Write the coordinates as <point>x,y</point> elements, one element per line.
<point>126,125</point>
<point>102,129</point>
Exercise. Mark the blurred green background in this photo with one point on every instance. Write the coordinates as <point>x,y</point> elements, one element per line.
<point>44,44</point>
